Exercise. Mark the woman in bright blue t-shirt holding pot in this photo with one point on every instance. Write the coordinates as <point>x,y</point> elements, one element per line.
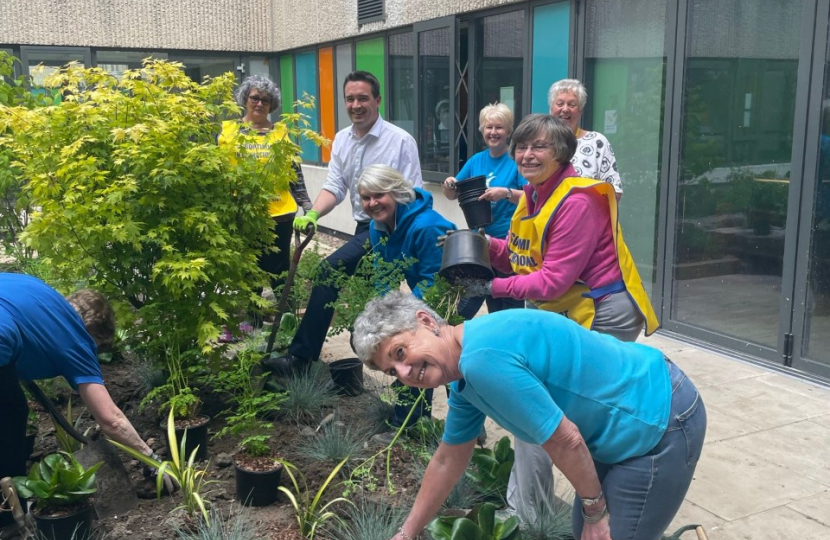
<point>504,186</point>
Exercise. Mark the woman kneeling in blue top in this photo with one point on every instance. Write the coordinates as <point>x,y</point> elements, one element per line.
<point>404,226</point>
<point>623,424</point>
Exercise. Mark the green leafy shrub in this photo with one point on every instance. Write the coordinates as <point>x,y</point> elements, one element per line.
<point>491,469</point>
<point>58,480</point>
<point>242,381</point>
<point>137,199</point>
<point>479,524</point>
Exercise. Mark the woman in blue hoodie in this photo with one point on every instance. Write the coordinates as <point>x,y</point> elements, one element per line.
<point>404,226</point>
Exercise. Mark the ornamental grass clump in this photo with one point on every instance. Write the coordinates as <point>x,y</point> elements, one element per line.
<point>139,202</point>
<point>335,442</point>
<point>308,394</point>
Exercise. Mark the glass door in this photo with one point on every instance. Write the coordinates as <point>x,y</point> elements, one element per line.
<point>736,172</point>
<point>811,320</point>
<point>435,128</point>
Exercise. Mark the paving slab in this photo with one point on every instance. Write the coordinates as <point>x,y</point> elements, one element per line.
<point>776,524</point>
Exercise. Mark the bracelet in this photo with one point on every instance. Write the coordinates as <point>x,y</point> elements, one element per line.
<point>590,520</point>
<point>404,535</point>
<point>509,193</point>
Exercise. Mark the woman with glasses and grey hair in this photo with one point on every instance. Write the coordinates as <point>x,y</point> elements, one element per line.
<point>259,96</point>
<point>594,157</point>
<point>404,227</point>
<point>566,254</point>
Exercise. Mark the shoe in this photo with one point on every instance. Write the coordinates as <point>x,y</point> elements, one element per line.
<point>286,365</point>
<point>385,438</point>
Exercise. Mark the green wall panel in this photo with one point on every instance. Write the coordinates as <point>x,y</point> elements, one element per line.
<point>370,55</point>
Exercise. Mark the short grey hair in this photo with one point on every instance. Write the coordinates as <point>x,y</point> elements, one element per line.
<point>568,85</point>
<point>553,130</point>
<point>496,111</point>
<point>263,85</point>
<point>385,179</point>
<point>385,317</point>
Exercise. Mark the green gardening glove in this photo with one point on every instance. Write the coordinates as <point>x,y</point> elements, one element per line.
<point>302,223</point>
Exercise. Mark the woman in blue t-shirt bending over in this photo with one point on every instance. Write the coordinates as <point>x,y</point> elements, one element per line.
<point>623,424</point>
<point>504,188</point>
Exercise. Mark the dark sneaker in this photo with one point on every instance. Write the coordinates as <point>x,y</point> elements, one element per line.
<point>284,366</point>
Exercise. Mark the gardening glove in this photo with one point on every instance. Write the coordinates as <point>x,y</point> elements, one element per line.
<point>151,473</point>
<point>475,287</point>
<point>439,242</point>
<point>301,223</point>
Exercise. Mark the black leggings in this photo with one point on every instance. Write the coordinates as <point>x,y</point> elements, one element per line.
<point>14,412</point>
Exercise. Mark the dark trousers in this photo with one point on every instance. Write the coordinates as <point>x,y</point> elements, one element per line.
<point>14,412</point>
<point>311,334</point>
<point>279,262</point>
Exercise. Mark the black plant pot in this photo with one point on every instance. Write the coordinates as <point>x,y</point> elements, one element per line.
<point>477,213</point>
<point>347,375</point>
<point>257,488</point>
<point>76,525</point>
<point>465,256</point>
<point>197,435</point>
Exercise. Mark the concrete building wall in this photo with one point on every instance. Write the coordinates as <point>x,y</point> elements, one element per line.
<point>217,25</point>
<point>329,20</point>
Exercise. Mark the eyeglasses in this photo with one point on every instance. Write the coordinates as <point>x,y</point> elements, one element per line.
<point>258,99</point>
<point>536,148</point>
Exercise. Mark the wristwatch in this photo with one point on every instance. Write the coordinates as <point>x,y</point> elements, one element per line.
<point>509,193</point>
<point>591,502</point>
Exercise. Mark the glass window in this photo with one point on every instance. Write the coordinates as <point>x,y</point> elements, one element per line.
<point>551,47</point>
<point>817,327</point>
<point>401,98</point>
<point>343,66</point>
<point>40,62</point>
<point>117,62</point>
<point>435,93</point>
<point>736,146</point>
<point>199,67</point>
<point>499,65</point>
<point>369,56</point>
<point>306,77</point>
<point>625,77</point>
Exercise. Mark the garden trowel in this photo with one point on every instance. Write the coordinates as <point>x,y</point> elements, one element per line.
<point>115,493</point>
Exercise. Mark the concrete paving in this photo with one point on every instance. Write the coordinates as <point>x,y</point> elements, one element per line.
<point>765,469</point>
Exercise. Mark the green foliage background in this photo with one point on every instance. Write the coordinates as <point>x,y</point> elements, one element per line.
<point>137,200</point>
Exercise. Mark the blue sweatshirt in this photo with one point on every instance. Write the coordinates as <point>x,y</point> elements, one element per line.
<point>417,228</point>
<point>42,335</point>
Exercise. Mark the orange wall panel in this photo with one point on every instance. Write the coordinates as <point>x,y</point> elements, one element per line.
<point>327,97</point>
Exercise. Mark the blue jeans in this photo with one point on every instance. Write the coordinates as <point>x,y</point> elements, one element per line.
<point>643,493</point>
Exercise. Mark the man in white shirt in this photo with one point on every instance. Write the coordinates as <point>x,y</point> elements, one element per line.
<point>369,140</point>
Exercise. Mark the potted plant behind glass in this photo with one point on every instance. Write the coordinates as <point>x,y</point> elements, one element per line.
<point>257,469</point>
<point>62,490</point>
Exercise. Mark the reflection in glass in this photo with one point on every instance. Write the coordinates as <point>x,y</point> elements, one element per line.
<point>43,63</point>
<point>499,59</point>
<point>434,77</point>
<point>736,146</point>
<point>117,62</point>
<point>199,67</point>
<point>817,327</point>
<point>401,99</point>
<point>625,77</point>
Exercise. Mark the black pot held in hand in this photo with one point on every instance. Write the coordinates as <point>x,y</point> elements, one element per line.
<point>465,256</point>
<point>477,213</point>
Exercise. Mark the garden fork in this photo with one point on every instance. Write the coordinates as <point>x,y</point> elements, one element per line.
<point>701,534</point>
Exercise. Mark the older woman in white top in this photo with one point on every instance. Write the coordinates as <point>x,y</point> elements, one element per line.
<point>594,157</point>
